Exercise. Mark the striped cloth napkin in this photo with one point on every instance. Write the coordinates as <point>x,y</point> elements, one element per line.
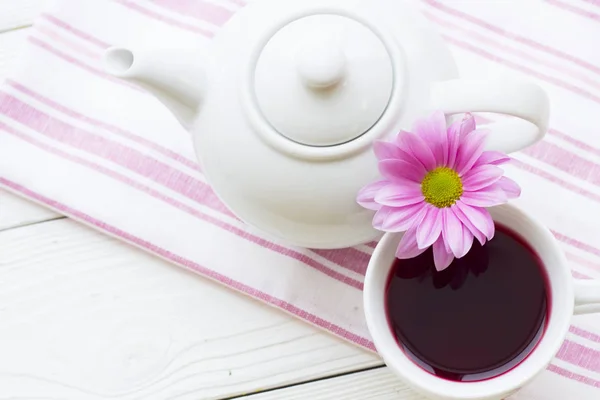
<point>110,156</point>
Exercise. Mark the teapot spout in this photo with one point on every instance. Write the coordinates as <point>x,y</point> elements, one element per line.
<point>176,77</point>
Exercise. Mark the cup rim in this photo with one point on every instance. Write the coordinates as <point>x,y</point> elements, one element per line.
<point>493,388</point>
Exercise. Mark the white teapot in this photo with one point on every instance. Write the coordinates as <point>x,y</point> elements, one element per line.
<point>285,106</point>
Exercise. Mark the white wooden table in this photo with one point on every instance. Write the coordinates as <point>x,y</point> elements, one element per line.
<point>84,316</point>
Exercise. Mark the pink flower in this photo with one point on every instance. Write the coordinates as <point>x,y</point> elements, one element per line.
<point>436,187</point>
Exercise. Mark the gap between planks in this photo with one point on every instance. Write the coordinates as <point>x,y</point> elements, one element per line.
<point>30,223</point>
<point>16,212</point>
<point>376,383</point>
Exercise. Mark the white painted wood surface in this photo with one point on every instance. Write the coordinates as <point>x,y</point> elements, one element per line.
<point>15,212</point>
<point>377,384</point>
<point>16,14</point>
<point>84,316</point>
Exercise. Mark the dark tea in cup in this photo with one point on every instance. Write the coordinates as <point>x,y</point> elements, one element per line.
<point>478,318</point>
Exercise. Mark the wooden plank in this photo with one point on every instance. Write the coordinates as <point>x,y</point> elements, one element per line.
<point>376,384</point>
<point>85,316</point>
<point>16,211</point>
<point>16,14</point>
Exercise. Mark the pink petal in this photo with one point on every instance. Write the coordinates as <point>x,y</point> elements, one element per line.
<point>479,217</point>
<point>456,132</point>
<point>492,157</point>
<point>441,257</point>
<point>467,239</point>
<point>433,131</point>
<point>432,127</point>
<point>413,144</point>
<point>469,150</point>
<point>366,195</point>
<point>407,248</point>
<point>380,217</point>
<point>467,125</point>
<point>407,154</point>
<point>390,151</point>
<point>430,228</point>
<point>398,139</point>
<point>486,197</point>
<point>386,150</point>
<point>446,245</point>
<point>456,234</point>
<point>401,219</point>
<point>510,187</point>
<point>399,195</point>
<point>395,170</point>
<point>467,222</point>
<point>480,177</point>
<point>453,144</point>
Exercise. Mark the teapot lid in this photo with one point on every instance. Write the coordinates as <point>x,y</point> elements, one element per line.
<point>323,80</point>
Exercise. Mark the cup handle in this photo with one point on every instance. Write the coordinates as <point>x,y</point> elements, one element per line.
<point>587,296</point>
<point>526,101</point>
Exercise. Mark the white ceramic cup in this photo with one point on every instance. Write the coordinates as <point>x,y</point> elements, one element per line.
<point>567,297</point>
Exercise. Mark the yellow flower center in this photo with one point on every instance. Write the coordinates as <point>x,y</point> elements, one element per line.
<point>442,187</point>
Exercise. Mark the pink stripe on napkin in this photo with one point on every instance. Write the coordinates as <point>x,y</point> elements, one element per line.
<point>71,29</point>
<point>76,47</point>
<point>574,376</point>
<point>167,20</point>
<point>114,129</point>
<point>522,54</point>
<point>72,60</point>
<point>495,28</point>
<point>66,210</point>
<point>521,68</point>
<point>199,9</point>
<point>593,2</point>
<point>576,10</point>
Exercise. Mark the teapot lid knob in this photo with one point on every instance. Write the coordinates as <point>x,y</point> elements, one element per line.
<point>321,64</point>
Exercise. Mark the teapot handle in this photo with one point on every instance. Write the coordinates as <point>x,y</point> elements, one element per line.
<point>526,101</point>
<point>587,296</point>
